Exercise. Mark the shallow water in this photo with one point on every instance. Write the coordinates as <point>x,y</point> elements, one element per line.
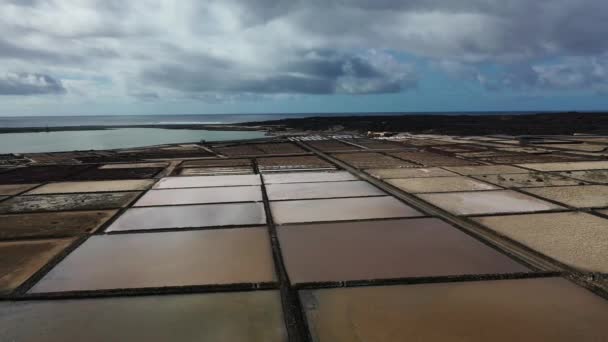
<point>111,139</point>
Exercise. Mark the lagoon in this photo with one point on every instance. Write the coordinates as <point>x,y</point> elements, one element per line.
<point>112,139</point>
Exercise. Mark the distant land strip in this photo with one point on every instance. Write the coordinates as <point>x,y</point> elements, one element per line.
<point>475,124</point>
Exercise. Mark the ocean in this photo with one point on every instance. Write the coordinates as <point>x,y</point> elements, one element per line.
<point>134,137</point>
<point>184,119</point>
<point>111,139</point>
<point>112,120</point>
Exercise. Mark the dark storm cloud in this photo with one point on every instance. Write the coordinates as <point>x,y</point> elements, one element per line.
<point>313,72</point>
<point>89,55</point>
<point>572,74</point>
<point>13,51</point>
<point>29,84</point>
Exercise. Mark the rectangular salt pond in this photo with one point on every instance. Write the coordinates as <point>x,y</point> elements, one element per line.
<point>527,180</point>
<point>21,259</point>
<point>254,316</point>
<point>573,238</point>
<point>133,165</point>
<point>366,160</point>
<point>595,176</point>
<point>321,190</point>
<point>37,174</point>
<point>440,184</point>
<point>14,189</point>
<point>204,163</point>
<point>340,209</point>
<point>57,224</point>
<point>203,257</point>
<point>212,171</point>
<point>116,174</point>
<point>409,173</point>
<point>190,216</point>
<point>92,186</point>
<point>200,196</point>
<point>584,196</point>
<point>432,159</point>
<point>91,201</point>
<point>307,177</point>
<point>487,202</point>
<point>386,249</point>
<point>485,169</point>
<point>567,166</point>
<point>291,163</point>
<point>207,181</point>
<point>542,309</point>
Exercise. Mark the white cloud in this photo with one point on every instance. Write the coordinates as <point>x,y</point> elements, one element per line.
<point>229,49</point>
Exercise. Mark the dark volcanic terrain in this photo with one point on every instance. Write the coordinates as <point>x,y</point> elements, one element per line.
<point>518,124</point>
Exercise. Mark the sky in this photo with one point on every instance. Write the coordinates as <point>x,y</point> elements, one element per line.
<point>92,57</point>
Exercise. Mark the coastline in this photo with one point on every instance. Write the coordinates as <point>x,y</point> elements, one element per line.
<point>473,124</point>
<point>215,127</point>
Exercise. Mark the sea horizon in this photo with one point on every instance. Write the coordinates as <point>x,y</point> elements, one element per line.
<point>210,119</point>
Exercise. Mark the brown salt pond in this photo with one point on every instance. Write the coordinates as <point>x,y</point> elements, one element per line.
<point>432,159</point>
<point>280,148</point>
<point>374,144</point>
<point>237,316</point>
<point>332,145</point>
<point>293,163</point>
<point>485,169</point>
<point>190,216</point>
<point>204,257</point>
<point>14,189</point>
<point>36,174</point>
<point>112,174</point>
<point>200,196</point>
<point>525,159</point>
<point>584,196</point>
<point>543,309</point>
<point>440,184</point>
<point>321,190</point>
<point>92,186</point>
<point>487,202</point>
<point>367,160</point>
<point>58,224</point>
<point>215,171</point>
<point>204,163</point>
<point>596,176</point>
<point>207,181</point>
<point>386,249</point>
<point>239,150</point>
<point>527,180</point>
<point>409,173</point>
<point>340,209</point>
<point>20,260</point>
<point>572,238</point>
<point>91,201</point>
<point>568,166</point>
<point>307,177</point>
<point>134,165</point>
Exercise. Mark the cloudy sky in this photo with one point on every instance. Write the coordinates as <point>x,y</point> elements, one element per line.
<point>250,56</point>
